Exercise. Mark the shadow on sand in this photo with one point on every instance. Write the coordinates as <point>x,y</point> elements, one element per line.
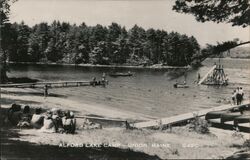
<point>14,149</point>
<point>35,93</point>
<point>6,101</point>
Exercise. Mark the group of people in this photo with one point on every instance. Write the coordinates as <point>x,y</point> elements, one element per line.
<point>238,95</point>
<point>102,82</point>
<point>53,120</point>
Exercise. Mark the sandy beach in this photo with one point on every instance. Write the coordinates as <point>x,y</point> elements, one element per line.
<point>178,142</point>
<point>124,80</point>
<point>35,98</point>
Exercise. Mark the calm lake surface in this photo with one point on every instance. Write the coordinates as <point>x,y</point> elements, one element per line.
<point>149,92</point>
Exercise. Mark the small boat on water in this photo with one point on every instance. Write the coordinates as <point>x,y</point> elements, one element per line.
<point>183,84</point>
<point>121,74</point>
<point>177,85</point>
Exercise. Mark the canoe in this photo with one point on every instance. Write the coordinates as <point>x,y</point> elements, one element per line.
<point>120,74</point>
<point>229,116</point>
<point>214,114</point>
<point>242,119</point>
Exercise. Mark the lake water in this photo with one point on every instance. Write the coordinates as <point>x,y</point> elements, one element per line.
<point>149,92</point>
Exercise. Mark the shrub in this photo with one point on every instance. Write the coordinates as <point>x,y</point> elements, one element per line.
<point>246,144</point>
<point>175,151</point>
<point>199,125</point>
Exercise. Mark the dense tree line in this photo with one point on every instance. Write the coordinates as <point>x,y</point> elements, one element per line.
<point>61,42</point>
<point>65,43</point>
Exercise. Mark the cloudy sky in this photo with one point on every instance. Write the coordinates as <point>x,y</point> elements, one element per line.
<point>156,14</point>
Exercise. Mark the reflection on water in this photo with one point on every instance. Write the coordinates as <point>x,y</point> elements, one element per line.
<point>149,92</point>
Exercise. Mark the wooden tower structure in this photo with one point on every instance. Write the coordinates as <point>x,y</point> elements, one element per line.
<point>215,76</point>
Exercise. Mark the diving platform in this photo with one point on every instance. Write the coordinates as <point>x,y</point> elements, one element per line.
<point>215,76</point>
<point>183,118</point>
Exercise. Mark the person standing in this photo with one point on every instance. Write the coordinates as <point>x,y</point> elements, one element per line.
<point>93,82</point>
<point>103,81</point>
<point>238,96</point>
<point>199,78</point>
<point>103,76</point>
<point>234,97</point>
<point>45,90</point>
<point>241,92</point>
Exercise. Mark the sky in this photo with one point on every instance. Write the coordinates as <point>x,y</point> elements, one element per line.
<point>157,14</point>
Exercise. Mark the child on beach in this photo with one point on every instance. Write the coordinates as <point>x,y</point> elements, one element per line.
<point>37,119</point>
<point>25,118</point>
<point>14,114</point>
<point>48,124</point>
<point>69,123</point>
<point>56,117</point>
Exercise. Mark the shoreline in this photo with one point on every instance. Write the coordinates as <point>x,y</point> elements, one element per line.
<point>155,66</point>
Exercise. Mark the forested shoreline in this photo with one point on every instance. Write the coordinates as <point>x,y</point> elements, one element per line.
<point>61,42</point>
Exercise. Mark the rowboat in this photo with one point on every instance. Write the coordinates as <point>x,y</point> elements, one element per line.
<point>120,74</point>
<point>176,85</point>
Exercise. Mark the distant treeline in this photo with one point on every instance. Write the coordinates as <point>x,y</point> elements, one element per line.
<point>65,43</point>
<point>240,52</point>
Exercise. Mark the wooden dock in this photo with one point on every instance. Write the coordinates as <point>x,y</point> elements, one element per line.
<point>58,84</point>
<point>184,117</point>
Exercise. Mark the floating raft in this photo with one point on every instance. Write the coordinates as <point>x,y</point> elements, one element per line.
<point>184,117</point>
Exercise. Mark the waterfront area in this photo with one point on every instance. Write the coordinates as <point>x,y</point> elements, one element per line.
<point>106,103</point>
<point>148,92</point>
<point>124,80</point>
